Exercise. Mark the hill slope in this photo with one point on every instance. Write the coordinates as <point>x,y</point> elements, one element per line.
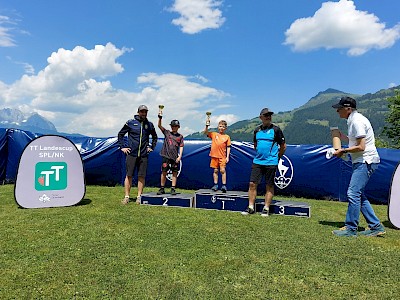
<point>309,124</point>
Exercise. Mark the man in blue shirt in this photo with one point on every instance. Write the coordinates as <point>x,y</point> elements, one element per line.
<point>270,145</point>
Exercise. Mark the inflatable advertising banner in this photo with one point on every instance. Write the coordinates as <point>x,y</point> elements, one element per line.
<point>50,174</point>
<point>394,199</point>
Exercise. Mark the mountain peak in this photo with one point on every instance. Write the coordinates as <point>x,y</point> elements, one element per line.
<point>14,118</point>
<point>11,115</point>
<point>324,96</point>
<point>331,91</point>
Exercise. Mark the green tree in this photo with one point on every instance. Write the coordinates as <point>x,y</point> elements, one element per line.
<point>392,129</point>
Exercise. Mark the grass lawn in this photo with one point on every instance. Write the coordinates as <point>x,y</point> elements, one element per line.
<point>104,250</point>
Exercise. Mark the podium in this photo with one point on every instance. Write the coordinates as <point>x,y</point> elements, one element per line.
<point>286,208</point>
<point>231,200</point>
<point>178,200</point>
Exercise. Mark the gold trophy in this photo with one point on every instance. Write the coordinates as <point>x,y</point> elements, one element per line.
<point>160,108</point>
<point>208,122</point>
<point>335,133</point>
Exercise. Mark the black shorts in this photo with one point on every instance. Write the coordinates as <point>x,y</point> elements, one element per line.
<point>139,163</point>
<point>169,164</point>
<point>259,171</point>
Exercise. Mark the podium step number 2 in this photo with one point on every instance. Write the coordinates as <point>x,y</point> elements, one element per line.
<point>179,200</point>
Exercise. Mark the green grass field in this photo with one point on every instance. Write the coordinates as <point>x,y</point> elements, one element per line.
<point>104,250</point>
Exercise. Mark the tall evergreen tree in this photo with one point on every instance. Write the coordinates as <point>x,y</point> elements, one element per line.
<point>392,129</point>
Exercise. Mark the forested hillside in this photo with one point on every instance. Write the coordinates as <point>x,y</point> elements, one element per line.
<point>310,123</point>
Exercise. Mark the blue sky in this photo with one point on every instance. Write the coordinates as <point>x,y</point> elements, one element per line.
<point>87,65</point>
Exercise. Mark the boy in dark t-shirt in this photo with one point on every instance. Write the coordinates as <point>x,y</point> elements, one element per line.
<point>171,153</point>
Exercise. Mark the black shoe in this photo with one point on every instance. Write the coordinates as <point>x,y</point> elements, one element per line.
<point>173,192</point>
<point>248,211</point>
<point>265,212</point>
<point>223,189</point>
<point>161,191</point>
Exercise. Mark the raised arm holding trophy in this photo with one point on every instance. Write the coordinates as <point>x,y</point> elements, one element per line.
<point>219,152</point>
<point>171,152</point>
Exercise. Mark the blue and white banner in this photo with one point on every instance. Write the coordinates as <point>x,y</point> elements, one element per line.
<point>304,170</point>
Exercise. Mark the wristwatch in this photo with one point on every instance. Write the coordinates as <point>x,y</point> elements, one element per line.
<point>345,151</point>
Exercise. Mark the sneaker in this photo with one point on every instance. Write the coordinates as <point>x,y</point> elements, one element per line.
<point>248,211</point>
<point>345,232</point>
<point>138,199</point>
<point>125,200</point>
<point>173,191</point>
<point>215,187</point>
<point>265,212</point>
<point>161,191</point>
<point>378,231</point>
<point>223,189</point>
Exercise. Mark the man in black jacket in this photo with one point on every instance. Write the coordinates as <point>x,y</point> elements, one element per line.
<point>139,130</point>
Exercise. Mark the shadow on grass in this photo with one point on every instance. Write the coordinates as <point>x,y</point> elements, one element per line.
<point>84,202</point>
<point>332,224</point>
<point>335,224</point>
<point>386,223</point>
<point>389,225</point>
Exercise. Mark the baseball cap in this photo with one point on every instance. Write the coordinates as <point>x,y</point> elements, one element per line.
<point>142,107</point>
<point>346,102</point>
<point>175,123</point>
<point>266,111</point>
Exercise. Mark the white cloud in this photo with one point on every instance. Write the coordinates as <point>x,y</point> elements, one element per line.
<point>72,93</point>
<point>392,84</point>
<point>184,98</point>
<point>229,118</point>
<point>6,39</point>
<point>197,15</point>
<point>29,69</point>
<point>341,25</point>
<point>68,75</point>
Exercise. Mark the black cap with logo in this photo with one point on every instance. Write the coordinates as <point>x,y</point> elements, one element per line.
<point>346,102</point>
<point>175,123</point>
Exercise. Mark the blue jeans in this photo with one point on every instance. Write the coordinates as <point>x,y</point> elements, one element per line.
<point>356,197</point>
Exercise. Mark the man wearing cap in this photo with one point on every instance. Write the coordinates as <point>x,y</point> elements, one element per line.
<point>139,130</point>
<point>365,161</point>
<point>171,153</point>
<point>270,145</point>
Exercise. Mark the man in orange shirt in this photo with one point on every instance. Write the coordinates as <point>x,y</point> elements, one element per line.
<point>220,151</point>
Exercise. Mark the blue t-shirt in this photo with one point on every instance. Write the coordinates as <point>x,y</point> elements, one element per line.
<point>267,141</point>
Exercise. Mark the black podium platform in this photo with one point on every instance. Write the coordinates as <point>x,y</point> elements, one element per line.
<point>231,200</point>
<point>178,200</point>
<point>286,208</point>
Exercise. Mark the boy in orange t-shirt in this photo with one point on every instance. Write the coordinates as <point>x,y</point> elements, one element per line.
<point>220,151</point>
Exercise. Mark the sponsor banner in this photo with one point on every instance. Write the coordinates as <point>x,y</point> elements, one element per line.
<point>50,174</point>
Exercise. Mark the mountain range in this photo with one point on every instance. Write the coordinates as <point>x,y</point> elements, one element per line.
<point>14,118</point>
<point>311,122</point>
<point>308,124</point>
